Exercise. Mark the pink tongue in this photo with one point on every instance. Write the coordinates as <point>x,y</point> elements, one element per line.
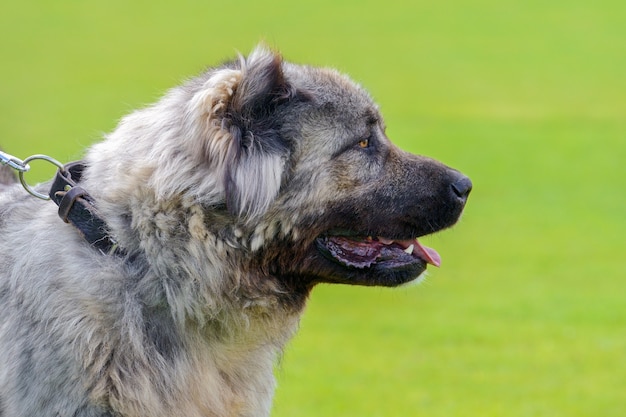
<point>428,254</point>
<point>424,252</point>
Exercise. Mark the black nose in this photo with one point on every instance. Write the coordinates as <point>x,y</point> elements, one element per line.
<point>462,187</point>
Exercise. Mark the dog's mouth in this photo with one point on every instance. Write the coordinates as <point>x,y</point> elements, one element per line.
<point>379,254</point>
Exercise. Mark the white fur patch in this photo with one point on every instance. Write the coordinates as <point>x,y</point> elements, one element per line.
<point>257,181</point>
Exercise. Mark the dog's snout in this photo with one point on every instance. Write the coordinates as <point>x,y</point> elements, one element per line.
<point>462,186</point>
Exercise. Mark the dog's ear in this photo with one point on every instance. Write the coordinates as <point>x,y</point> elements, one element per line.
<point>261,89</point>
<point>237,110</point>
<point>257,151</point>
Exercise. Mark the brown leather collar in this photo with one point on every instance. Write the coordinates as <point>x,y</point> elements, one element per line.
<point>77,207</point>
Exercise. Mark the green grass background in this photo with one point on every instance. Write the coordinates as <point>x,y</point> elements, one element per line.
<point>527,316</point>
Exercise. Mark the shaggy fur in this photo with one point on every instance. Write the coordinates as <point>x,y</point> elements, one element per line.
<point>232,197</point>
<point>6,177</point>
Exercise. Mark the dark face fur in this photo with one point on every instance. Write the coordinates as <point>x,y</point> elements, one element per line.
<point>350,203</point>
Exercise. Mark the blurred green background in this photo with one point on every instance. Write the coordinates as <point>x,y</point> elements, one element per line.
<point>527,316</point>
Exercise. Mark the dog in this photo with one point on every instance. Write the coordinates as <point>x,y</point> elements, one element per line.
<point>226,202</point>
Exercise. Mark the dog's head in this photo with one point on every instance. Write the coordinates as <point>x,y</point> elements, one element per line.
<point>293,163</point>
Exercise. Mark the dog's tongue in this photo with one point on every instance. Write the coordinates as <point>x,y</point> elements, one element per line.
<point>364,253</point>
<point>428,254</point>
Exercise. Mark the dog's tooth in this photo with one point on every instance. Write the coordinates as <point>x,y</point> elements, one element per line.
<point>409,250</point>
<point>385,241</point>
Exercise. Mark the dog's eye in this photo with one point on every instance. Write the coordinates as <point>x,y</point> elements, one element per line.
<point>364,143</point>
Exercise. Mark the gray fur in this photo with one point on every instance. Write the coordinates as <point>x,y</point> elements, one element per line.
<point>7,176</point>
<point>218,194</point>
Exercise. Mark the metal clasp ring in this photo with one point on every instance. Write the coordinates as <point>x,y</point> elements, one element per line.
<point>25,164</point>
<point>15,163</point>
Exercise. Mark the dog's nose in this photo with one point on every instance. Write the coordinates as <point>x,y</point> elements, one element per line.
<point>462,187</point>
